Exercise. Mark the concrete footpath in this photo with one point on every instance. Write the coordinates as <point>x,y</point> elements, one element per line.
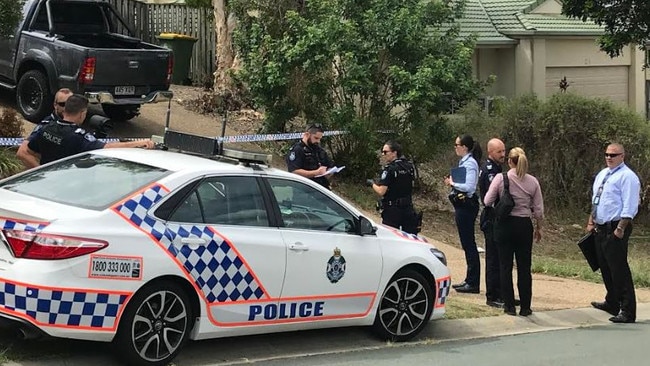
<point>279,346</point>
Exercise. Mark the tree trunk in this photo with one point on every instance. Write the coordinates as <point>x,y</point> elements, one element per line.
<point>225,58</point>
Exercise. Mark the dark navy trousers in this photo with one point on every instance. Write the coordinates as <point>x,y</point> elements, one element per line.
<point>465,218</point>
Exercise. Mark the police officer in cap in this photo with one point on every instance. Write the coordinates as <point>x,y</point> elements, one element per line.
<point>395,186</point>
<point>496,151</point>
<point>308,158</point>
<point>23,153</point>
<point>64,138</point>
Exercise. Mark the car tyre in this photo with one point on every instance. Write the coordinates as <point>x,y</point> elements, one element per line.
<point>405,307</point>
<point>121,112</point>
<point>155,325</point>
<point>33,96</point>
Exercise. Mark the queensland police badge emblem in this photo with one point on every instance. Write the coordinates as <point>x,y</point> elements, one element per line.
<point>336,266</point>
<point>292,156</point>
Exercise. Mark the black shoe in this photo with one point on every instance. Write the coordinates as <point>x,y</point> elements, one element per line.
<point>604,306</point>
<point>622,318</point>
<point>498,303</point>
<point>510,310</point>
<point>525,312</point>
<point>467,289</point>
<point>462,284</point>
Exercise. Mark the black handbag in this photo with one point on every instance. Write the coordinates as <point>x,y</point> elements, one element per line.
<point>506,203</point>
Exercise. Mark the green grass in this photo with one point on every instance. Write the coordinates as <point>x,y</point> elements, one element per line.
<point>456,308</point>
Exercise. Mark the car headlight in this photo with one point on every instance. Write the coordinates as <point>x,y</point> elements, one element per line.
<point>438,253</point>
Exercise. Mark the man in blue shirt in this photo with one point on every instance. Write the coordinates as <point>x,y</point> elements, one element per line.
<point>64,138</point>
<point>615,202</point>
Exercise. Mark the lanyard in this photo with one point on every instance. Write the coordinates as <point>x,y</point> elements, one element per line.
<point>599,192</point>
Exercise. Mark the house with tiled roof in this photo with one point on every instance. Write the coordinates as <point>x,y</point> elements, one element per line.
<point>530,47</point>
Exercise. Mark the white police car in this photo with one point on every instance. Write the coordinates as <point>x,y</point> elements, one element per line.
<point>150,248</point>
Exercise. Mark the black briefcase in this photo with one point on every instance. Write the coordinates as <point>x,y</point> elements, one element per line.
<point>587,245</point>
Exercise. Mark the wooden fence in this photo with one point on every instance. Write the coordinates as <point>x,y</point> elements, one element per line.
<point>149,20</point>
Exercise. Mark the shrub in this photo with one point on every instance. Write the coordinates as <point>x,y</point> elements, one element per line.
<point>564,138</point>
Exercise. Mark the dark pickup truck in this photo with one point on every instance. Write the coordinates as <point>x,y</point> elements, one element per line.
<point>75,44</point>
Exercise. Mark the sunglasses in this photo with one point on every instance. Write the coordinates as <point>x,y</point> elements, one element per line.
<point>458,145</point>
<point>60,104</point>
<point>612,155</point>
<point>384,152</point>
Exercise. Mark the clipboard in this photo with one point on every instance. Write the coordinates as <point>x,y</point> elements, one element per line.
<point>587,245</point>
<point>458,174</point>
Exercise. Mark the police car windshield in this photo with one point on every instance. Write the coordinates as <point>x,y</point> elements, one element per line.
<point>87,181</point>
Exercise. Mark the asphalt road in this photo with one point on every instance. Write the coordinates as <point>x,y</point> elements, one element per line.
<point>602,345</point>
<point>540,339</point>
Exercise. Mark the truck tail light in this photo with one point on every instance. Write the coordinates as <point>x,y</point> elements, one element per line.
<point>170,68</point>
<point>31,245</point>
<point>87,72</point>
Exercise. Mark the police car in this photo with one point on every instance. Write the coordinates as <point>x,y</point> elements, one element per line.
<point>150,248</point>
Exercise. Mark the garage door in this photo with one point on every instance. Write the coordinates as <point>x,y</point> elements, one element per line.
<point>609,82</point>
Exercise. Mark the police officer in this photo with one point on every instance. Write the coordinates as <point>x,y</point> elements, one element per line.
<point>496,151</point>
<point>23,152</point>
<point>63,138</point>
<point>308,159</point>
<point>395,186</point>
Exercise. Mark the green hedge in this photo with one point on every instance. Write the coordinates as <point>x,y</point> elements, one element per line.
<point>564,138</point>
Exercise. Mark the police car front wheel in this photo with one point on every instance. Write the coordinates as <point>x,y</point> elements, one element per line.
<point>155,325</point>
<point>405,307</point>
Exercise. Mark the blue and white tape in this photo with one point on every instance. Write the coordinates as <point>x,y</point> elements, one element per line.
<point>16,141</point>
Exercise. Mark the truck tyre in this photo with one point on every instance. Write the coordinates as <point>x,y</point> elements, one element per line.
<point>33,96</point>
<point>121,112</point>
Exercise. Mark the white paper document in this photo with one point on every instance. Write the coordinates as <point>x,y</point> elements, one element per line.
<point>332,170</point>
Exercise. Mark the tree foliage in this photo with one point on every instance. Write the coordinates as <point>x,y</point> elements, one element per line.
<point>626,21</point>
<point>10,16</point>
<point>359,66</point>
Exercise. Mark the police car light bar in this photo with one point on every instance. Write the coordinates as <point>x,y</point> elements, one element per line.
<point>208,146</point>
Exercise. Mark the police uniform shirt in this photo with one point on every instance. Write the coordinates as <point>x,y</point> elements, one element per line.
<point>302,156</point>
<point>61,139</point>
<point>488,171</point>
<point>46,121</point>
<point>398,176</point>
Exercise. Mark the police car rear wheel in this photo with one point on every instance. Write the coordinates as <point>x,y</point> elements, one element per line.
<point>155,325</point>
<point>405,307</point>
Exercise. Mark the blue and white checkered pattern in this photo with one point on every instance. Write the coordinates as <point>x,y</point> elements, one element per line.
<point>444,286</point>
<point>7,224</point>
<point>62,307</point>
<point>216,268</point>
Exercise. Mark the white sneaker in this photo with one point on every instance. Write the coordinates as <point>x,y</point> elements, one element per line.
<point>480,249</point>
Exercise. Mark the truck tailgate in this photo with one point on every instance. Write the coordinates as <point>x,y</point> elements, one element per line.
<point>124,67</point>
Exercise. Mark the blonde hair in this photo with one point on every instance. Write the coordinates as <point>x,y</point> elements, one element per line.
<point>518,158</point>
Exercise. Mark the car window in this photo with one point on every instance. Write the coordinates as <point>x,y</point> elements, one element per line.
<point>304,207</point>
<point>225,201</point>
<point>88,181</point>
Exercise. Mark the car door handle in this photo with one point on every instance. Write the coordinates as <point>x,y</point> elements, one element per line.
<point>298,247</point>
<point>193,241</point>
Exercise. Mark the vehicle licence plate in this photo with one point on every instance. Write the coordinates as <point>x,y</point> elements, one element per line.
<point>125,90</point>
<point>115,267</point>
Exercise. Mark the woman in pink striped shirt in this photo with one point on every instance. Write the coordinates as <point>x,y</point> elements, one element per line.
<point>514,234</point>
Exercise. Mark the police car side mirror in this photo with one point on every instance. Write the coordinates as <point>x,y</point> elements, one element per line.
<point>366,227</point>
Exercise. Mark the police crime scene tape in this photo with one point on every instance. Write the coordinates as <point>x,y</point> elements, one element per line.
<point>16,141</point>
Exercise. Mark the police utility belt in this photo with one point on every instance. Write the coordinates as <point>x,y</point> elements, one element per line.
<point>398,202</point>
<point>461,198</point>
